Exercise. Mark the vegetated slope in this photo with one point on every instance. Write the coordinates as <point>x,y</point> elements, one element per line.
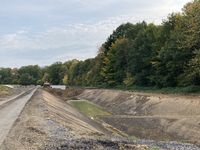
<point>88,108</point>
<point>153,116</point>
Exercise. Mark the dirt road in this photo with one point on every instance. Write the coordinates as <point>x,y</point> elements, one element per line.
<point>10,110</point>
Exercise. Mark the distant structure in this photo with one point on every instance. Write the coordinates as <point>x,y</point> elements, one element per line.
<point>47,85</point>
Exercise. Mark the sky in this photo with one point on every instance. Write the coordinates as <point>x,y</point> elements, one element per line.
<point>46,31</point>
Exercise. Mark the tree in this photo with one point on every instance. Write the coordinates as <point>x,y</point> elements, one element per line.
<point>66,80</point>
<point>26,79</point>
<point>142,53</point>
<point>45,77</point>
<point>56,73</point>
<point>191,20</point>
<point>192,73</point>
<point>129,80</point>
<point>171,57</point>
<point>5,76</point>
<point>30,73</point>
<point>115,63</point>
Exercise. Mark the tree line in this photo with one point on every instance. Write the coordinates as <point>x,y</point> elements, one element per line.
<point>141,54</point>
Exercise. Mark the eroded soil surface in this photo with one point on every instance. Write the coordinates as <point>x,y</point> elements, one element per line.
<point>7,92</point>
<point>150,116</point>
<point>50,123</point>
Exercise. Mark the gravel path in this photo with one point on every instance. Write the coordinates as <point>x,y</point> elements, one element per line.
<point>9,113</point>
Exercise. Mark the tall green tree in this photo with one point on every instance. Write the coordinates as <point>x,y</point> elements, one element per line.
<point>56,73</point>
<point>30,73</point>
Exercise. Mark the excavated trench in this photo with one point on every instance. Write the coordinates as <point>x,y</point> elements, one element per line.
<point>150,116</point>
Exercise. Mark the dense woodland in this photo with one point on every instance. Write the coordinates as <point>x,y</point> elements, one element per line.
<point>147,55</point>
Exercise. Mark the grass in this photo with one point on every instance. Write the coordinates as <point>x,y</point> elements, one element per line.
<point>88,108</point>
<point>168,90</point>
<point>4,90</point>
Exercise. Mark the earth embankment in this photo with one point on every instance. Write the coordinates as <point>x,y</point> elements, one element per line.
<point>151,116</point>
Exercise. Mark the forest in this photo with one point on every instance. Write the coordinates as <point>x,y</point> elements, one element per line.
<point>141,54</point>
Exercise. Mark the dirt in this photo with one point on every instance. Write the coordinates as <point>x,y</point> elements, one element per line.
<point>143,127</point>
<point>67,94</point>
<point>10,111</point>
<point>150,116</point>
<point>11,92</point>
<point>48,122</point>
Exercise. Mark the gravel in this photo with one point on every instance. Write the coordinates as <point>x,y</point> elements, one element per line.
<point>105,144</point>
<point>172,145</point>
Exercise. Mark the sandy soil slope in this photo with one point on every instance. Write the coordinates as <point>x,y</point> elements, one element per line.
<point>151,116</point>
<point>50,123</point>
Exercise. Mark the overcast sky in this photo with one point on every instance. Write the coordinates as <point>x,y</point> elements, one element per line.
<point>46,31</point>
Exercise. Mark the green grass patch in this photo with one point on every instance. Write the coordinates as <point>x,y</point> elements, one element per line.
<point>4,90</point>
<point>88,108</point>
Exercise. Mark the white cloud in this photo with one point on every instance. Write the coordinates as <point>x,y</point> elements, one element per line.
<point>92,35</point>
<point>73,28</point>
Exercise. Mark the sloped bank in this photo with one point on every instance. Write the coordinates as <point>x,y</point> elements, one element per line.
<point>49,123</point>
<point>151,116</point>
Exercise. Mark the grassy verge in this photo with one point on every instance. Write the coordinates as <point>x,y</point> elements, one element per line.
<point>88,108</point>
<point>4,90</point>
<point>167,90</point>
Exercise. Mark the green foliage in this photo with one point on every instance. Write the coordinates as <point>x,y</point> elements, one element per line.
<point>55,73</point>
<point>5,75</point>
<point>29,75</point>
<point>66,80</point>
<point>192,73</point>
<point>45,77</point>
<point>129,80</point>
<point>134,55</point>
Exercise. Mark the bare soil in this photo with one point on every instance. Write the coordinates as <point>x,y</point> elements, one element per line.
<point>150,116</point>
<point>10,111</point>
<point>11,92</point>
<point>67,94</point>
<point>48,122</point>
